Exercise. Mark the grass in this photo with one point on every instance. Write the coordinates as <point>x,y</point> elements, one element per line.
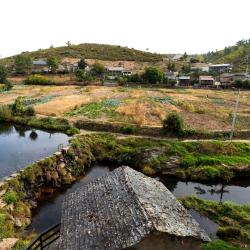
<point>97,52</point>
<point>96,109</point>
<point>197,160</point>
<point>220,245</point>
<point>233,219</point>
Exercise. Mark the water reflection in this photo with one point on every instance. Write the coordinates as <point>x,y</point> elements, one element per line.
<point>237,190</point>
<point>20,146</point>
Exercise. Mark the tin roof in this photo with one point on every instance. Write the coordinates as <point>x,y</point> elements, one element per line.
<point>39,63</point>
<point>120,209</point>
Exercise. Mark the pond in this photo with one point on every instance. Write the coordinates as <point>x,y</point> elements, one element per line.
<point>48,212</point>
<point>20,146</point>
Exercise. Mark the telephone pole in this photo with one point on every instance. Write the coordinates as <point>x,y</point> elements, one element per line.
<point>235,114</point>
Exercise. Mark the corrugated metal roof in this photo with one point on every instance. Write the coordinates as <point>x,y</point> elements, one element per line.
<point>39,63</point>
<point>115,68</point>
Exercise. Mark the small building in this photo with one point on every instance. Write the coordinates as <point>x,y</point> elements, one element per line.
<point>226,79</point>
<point>220,68</point>
<point>171,75</point>
<point>177,57</point>
<point>241,76</point>
<point>203,67</point>
<point>127,210</point>
<point>40,66</point>
<point>206,80</point>
<point>184,81</point>
<point>114,72</point>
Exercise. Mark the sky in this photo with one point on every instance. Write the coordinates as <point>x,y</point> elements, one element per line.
<point>162,26</point>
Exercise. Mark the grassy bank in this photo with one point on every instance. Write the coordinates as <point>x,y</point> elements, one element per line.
<point>233,219</point>
<point>205,161</point>
<point>47,123</point>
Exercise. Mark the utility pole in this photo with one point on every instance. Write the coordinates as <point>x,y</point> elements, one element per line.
<point>235,114</point>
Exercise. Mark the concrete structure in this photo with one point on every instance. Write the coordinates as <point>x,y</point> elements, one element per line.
<point>241,76</point>
<point>206,80</point>
<point>177,57</point>
<point>220,68</point>
<point>184,81</point>
<point>114,72</point>
<point>127,210</point>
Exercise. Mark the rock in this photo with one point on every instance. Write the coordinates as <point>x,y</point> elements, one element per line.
<point>1,183</point>
<point>18,222</point>
<point>62,171</point>
<point>7,244</point>
<point>15,175</point>
<point>2,192</point>
<point>10,207</point>
<point>2,204</point>
<point>57,154</point>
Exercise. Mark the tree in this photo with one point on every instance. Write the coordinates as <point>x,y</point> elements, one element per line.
<point>68,43</point>
<point>171,67</point>
<point>185,56</point>
<point>186,68</point>
<point>22,64</point>
<point>53,63</point>
<point>153,75</point>
<point>173,123</point>
<point>82,64</point>
<point>98,69</point>
<point>3,74</point>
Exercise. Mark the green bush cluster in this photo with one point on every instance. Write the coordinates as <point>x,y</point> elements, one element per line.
<point>173,123</point>
<point>10,197</point>
<point>38,80</point>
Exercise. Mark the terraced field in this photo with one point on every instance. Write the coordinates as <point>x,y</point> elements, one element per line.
<point>201,109</point>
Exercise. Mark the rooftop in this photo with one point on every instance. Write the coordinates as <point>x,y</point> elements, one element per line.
<point>206,78</point>
<point>119,210</point>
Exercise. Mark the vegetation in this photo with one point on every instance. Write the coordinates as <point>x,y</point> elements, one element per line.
<point>220,245</point>
<point>98,52</point>
<point>22,63</point>
<point>236,55</point>
<point>239,84</point>
<point>233,219</point>
<point>38,80</point>
<point>18,108</point>
<point>52,63</point>
<point>82,64</point>
<point>98,69</point>
<point>153,75</point>
<point>197,160</point>
<point>173,123</point>
<point>3,80</point>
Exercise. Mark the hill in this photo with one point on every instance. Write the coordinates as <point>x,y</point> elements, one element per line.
<point>238,55</point>
<point>96,51</point>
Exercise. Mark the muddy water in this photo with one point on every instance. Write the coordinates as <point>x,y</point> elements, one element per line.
<point>20,146</point>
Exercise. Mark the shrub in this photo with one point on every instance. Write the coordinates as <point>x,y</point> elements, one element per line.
<point>148,170</point>
<point>38,79</point>
<point>5,111</point>
<point>73,131</point>
<point>153,75</point>
<point>128,129</point>
<point>10,197</point>
<point>218,245</point>
<point>173,123</point>
<point>30,111</point>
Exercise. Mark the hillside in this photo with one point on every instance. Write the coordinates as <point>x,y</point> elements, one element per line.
<point>96,51</point>
<point>236,55</point>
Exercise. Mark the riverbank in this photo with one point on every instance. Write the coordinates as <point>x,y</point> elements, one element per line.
<point>206,161</point>
<point>233,219</point>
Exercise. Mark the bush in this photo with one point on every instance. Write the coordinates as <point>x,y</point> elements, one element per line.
<point>128,129</point>
<point>5,111</point>
<point>10,197</point>
<point>218,245</point>
<point>38,79</point>
<point>173,123</point>
<point>30,111</point>
<point>153,75</point>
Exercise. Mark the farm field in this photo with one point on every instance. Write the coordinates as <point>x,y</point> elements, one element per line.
<point>201,109</point>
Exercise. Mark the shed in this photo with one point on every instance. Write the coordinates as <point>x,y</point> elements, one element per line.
<point>126,209</point>
<point>206,80</point>
<point>184,81</point>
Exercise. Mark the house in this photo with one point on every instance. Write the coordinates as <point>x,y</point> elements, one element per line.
<point>226,79</point>
<point>171,75</point>
<point>39,66</point>
<point>127,210</point>
<point>184,80</point>
<point>220,68</point>
<point>203,67</point>
<point>114,72</point>
<point>241,76</point>
<point>177,57</point>
<point>206,80</point>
